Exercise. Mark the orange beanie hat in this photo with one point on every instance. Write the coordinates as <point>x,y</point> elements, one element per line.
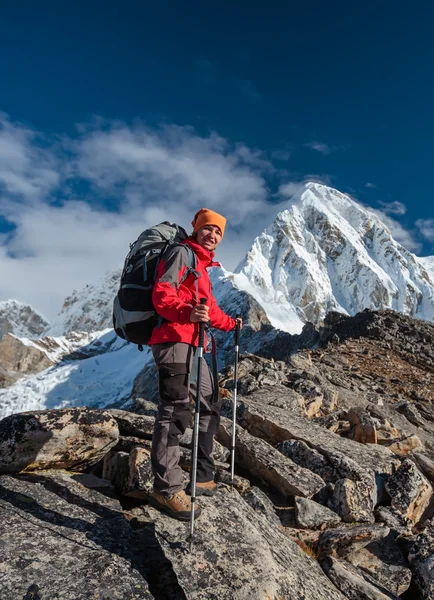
<point>208,217</point>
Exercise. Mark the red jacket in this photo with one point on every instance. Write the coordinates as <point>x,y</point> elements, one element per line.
<point>174,301</point>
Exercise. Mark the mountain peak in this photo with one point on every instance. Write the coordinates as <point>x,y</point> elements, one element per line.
<point>325,252</point>
<point>21,319</point>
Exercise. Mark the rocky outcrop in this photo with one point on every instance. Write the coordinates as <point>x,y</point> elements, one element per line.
<point>421,557</point>
<point>18,359</point>
<point>276,425</point>
<point>252,557</point>
<point>342,541</point>
<point>269,464</point>
<point>385,563</point>
<point>66,535</point>
<point>20,319</point>
<point>311,515</point>
<point>410,491</point>
<point>353,582</point>
<point>70,438</point>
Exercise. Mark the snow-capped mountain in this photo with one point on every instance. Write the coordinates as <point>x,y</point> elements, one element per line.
<point>21,319</point>
<point>89,309</point>
<point>326,252</point>
<point>323,252</point>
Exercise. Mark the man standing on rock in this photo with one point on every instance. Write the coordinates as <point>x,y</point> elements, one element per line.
<point>173,345</point>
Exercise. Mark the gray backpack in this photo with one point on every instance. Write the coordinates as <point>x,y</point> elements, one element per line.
<point>134,315</point>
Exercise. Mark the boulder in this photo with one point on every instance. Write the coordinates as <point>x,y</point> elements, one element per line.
<point>353,582</point>
<point>405,444</point>
<point>130,473</point>
<point>68,438</point>
<point>241,484</point>
<point>309,458</point>
<point>21,358</point>
<point>261,503</point>
<point>141,478</point>
<point>410,491</point>
<point>311,515</point>
<point>126,443</point>
<point>275,425</point>
<point>425,464</point>
<point>421,557</point>
<point>67,540</point>
<point>132,424</point>
<point>385,563</point>
<point>236,554</point>
<point>352,500</point>
<point>363,426</point>
<point>263,461</point>
<point>116,469</point>
<point>342,541</point>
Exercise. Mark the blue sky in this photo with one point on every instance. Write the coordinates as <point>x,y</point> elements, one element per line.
<point>222,101</point>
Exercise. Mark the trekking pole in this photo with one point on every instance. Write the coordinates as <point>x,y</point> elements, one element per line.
<point>199,354</point>
<point>234,405</point>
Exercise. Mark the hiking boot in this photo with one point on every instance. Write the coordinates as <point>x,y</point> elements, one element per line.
<point>203,488</point>
<point>177,505</point>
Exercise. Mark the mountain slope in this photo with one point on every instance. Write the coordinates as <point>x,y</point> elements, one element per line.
<point>89,309</point>
<point>326,252</point>
<point>21,319</point>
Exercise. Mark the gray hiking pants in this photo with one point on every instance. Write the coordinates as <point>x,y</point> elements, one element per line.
<point>175,366</point>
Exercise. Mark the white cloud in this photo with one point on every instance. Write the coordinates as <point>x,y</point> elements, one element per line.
<point>319,147</point>
<point>137,177</point>
<point>393,208</point>
<point>74,206</point>
<point>27,170</point>
<point>426,228</point>
<point>370,186</point>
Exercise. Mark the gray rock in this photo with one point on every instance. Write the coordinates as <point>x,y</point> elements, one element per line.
<point>342,541</point>
<point>141,478</point>
<point>237,555</point>
<point>352,500</point>
<point>130,472</point>
<point>69,541</point>
<point>363,426</point>
<point>393,519</point>
<point>116,469</point>
<point>276,425</point>
<point>385,563</point>
<point>410,491</point>
<point>311,515</point>
<point>127,443</point>
<point>425,464</point>
<point>132,424</point>
<point>68,438</point>
<point>241,484</point>
<point>262,504</point>
<point>353,583</point>
<point>267,463</point>
<point>309,458</point>
<point>421,557</point>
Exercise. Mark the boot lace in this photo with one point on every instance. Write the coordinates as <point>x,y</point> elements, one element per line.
<point>181,498</point>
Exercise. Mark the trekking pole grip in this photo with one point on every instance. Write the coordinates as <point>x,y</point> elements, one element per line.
<point>203,301</point>
<point>237,331</point>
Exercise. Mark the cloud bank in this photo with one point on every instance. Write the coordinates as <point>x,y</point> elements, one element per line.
<point>70,206</point>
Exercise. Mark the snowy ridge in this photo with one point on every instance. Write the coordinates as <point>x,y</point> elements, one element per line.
<point>326,252</point>
<point>21,319</point>
<point>95,381</point>
<point>89,309</point>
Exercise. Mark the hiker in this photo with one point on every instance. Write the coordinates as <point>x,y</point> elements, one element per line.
<point>173,343</point>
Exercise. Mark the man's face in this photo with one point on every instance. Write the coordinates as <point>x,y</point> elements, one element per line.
<point>209,237</point>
